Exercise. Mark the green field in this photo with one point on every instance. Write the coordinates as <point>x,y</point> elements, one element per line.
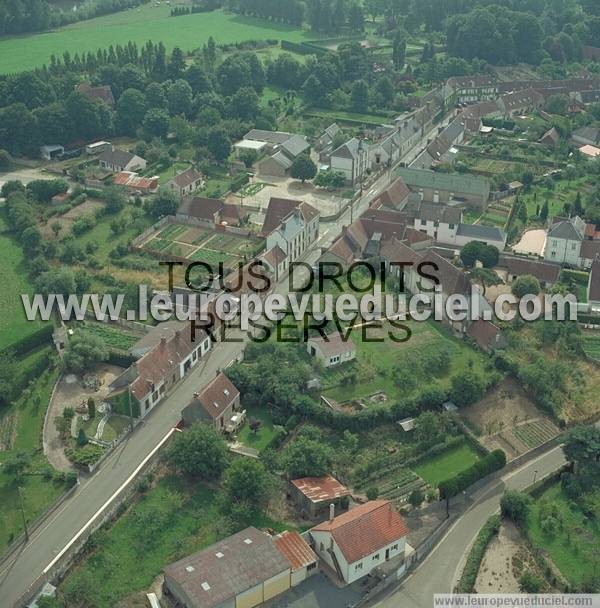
<point>112,335</point>
<point>147,22</point>
<point>573,543</point>
<point>448,464</point>
<point>13,277</point>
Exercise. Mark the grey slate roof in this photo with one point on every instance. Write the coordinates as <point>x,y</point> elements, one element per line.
<point>433,212</point>
<point>460,184</point>
<point>272,137</point>
<point>565,230</point>
<point>281,159</point>
<point>478,231</point>
<point>295,145</point>
<point>222,571</point>
<point>117,157</point>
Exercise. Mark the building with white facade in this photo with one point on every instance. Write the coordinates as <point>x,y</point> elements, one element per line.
<point>358,541</point>
<point>572,242</point>
<point>352,159</point>
<point>291,225</point>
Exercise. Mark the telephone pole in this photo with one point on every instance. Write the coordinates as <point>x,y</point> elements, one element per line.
<point>20,490</point>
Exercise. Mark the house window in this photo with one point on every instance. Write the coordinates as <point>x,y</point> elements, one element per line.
<point>574,246</point>
<point>358,566</point>
<point>553,254</point>
<point>311,566</point>
<point>147,404</point>
<point>554,243</point>
<point>154,395</point>
<point>423,222</point>
<point>174,378</point>
<point>450,226</point>
<point>376,557</point>
<point>394,547</point>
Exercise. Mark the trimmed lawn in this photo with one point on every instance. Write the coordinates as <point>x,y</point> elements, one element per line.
<point>146,22</point>
<point>448,464</point>
<point>573,544</point>
<point>263,437</point>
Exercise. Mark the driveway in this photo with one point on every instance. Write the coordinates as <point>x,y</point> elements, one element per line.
<point>318,592</point>
<point>25,175</point>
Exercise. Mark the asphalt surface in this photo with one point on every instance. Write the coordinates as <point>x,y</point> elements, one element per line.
<point>440,571</point>
<point>22,569</point>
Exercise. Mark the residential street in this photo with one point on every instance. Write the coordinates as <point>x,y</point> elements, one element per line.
<point>441,569</point>
<point>23,568</point>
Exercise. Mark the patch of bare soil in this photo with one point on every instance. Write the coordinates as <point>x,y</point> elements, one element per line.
<point>507,419</point>
<point>505,560</point>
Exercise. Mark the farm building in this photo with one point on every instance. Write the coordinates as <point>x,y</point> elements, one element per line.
<point>243,570</point>
<point>314,495</point>
<point>51,152</point>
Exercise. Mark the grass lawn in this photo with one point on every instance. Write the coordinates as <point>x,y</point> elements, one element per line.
<point>171,520</point>
<point>573,544</point>
<point>147,22</point>
<point>263,437</point>
<point>376,362</point>
<point>443,466</point>
<point>13,276</point>
<point>350,117</point>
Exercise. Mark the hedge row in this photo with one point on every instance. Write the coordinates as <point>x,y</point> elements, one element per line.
<point>40,337</point>
<point>467,580</point>
<point>480,469</point>
<point>303,48</point>
<point>120,359</point>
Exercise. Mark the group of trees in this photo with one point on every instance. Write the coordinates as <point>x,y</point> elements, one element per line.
<point>245,485</point>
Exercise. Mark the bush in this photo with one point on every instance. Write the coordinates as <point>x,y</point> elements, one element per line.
<point>467,580</point>
<point>372,493</point>
<point>515,505</point>
<point>480,469</point>
<point>530,583</point>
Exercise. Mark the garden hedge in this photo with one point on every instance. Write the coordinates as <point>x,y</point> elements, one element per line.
<point>480,469</point>
<point>41,337</point>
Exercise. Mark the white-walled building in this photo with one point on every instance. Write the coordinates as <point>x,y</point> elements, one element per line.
<point>572,242</point>
<point>333,350</point>
<point>352,159</point>
<point>358,541</point>
<point>290,225</point>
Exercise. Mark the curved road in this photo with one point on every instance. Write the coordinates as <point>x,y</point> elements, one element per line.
<point>440,570</point>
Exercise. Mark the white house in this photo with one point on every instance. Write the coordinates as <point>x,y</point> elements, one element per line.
<point>114,159</point>
<point>291,225</point>
<point>352,159</point>
<point>186,182</point>
<point>440,222</point>
<point>356,542</point>
<point>563,242</point>
<point>333,350</point>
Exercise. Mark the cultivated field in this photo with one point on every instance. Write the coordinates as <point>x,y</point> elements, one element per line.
<point>147,22</point>
<point>507,419</point>
<point>203,245</point>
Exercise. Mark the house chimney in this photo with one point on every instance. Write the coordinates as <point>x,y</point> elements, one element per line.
<point>331,512</point>
<point>163,340</point>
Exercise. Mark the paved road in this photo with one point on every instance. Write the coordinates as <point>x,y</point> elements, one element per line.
<point>441,569</point>
<point>20,572</point>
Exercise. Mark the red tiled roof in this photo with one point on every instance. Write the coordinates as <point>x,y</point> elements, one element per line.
<point>365,529</point>
<point>217,395</point>
<point>295,549</point>
<point>452,279</point>
<point>201,208</point>
<point>319,489</point>
<point>275,256</point>
<point>395,194</point>
<point>484,333</point>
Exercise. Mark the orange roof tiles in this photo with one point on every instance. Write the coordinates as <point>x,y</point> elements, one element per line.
<point>365,529</point>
